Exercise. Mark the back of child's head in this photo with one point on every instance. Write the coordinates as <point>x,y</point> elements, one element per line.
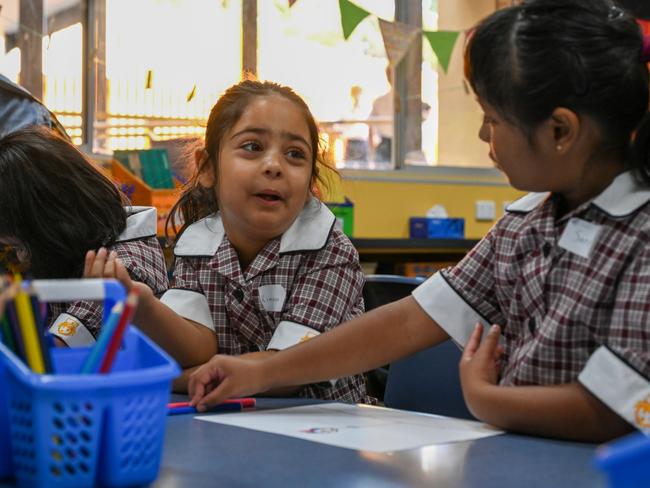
<point>196,201</point>
<point>55,203</point>
<point>584,55</point>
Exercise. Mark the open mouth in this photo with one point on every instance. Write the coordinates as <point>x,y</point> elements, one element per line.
<point>269,197</point>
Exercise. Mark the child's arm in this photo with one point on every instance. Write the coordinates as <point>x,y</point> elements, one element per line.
<point>375,338</point>
<point>188,342</point>
<point>566,411</point>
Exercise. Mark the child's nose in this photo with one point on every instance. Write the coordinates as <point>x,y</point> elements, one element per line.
<point>273,166</point>
<point>484,132</point>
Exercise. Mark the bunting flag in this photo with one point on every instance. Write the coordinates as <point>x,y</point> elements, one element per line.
<point>442,43</point>
<point>148,84</point>
<point>291,2</point>
<point>397,39</point>
<point>191,94</point>
<point>351,16</point>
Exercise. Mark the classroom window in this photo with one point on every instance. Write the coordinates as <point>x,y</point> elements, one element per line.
<point>161,67</point>
<point>303,47</point>
<point>450,129</point>
<point>41,48</point>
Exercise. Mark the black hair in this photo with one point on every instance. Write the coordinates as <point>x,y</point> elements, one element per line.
<point>584,55</point>
<point>196,201</point>
<point>55,202</point>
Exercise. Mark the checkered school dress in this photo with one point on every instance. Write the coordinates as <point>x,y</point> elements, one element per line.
<point>78,323</point>
<point>565,317</point>
<point>299,285</point>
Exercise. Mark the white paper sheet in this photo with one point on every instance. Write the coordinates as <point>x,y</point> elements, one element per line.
<point>360,427</point>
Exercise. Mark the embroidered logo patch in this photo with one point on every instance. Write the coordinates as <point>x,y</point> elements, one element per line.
<point>67,328</point>
<point>642,413</point>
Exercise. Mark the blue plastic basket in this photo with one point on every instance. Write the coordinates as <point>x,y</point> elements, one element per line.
<point>74,430</point>
<point>626,461</point>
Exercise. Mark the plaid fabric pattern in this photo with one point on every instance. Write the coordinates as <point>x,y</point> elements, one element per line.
<point>323,289</point>
<point>555,307</point>
<point>144,260</point>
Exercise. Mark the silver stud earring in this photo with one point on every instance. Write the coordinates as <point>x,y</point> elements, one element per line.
<point>558,147</point>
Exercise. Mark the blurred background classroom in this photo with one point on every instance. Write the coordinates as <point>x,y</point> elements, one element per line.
<point>133,83</point>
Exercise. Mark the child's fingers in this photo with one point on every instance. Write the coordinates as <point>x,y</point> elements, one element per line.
<point>473,343</point>
<point>122,274</point>
<point>490,344</point>
<point>97,267</point>
<point>109,266</point>
<point>499,352</point>
<point>199,379</point>
<point>220,393</point>
<point>88,263</point>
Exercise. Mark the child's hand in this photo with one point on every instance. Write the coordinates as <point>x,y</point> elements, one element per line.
<point>225,377</point>
<point>479,365</point>
<point>102,264</point>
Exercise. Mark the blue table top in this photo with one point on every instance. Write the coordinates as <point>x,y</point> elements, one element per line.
<point>207,454</point>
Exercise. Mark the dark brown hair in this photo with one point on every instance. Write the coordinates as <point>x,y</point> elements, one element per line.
<point>197,202</point>
<point>584,55</point>
<point>55,202</point>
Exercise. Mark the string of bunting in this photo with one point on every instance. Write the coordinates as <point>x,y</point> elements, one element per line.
<point>399,36</point>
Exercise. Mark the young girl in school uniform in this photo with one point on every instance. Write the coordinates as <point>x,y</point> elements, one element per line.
<point>260,265</point>
<point>54,206</point>
<point>565,273</point>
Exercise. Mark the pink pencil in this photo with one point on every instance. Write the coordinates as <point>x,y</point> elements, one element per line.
<point>244,402</point>
<point>116,339</point>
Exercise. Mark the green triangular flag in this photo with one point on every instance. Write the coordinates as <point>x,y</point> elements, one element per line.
<point>442,43</point>
<point>351,15</point>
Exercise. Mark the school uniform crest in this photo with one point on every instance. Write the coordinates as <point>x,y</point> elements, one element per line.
<point>642,413</point>
<point>67,328</point>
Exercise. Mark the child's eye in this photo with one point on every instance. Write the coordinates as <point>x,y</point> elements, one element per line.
<point>251,146</point>
<point>296,154</point>
<point>487,119</point>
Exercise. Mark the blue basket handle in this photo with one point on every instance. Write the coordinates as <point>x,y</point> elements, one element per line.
<point>109,290</point>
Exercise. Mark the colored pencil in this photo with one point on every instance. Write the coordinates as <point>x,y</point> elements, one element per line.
<point>7,334</point>
<point>12,318</point>
<point>28,329</point>
<point>92,362</point>
<point>222,407</point>
<point>116,337</point>
<point>40,330</point>
<point>244,402</point>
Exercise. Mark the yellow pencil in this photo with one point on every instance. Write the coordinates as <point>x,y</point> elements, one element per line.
<point>28,329</point>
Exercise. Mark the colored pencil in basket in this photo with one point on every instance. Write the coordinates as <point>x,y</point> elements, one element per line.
<point>244,402</point>
<point>28,329</point>
<point>7,333</point>
<point>93,361</point>
<point>39,320</point>
<point>116,337</point>
<point>12,319</point>
<point>222,407</point>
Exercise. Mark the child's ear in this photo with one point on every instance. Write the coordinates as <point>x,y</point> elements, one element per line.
<point>204,168</point>
<point>566,126</point>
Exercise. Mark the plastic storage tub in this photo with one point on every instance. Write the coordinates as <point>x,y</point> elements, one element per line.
<point>68,429</point>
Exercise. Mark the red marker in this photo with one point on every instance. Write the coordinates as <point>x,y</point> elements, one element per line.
<point>244,402</point>
<point>116,339</point>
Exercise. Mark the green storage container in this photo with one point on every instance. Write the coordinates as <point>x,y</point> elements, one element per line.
<point>344,213</point>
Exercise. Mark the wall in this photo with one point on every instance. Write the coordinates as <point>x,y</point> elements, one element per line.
<point>383,204</point>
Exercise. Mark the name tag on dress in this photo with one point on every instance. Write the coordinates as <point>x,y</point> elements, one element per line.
<point>579,237</point>
<point>272,297</point>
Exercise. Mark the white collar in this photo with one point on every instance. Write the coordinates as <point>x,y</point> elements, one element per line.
<point>622,197</point>
<point>140,222</point>
<point>309,232</point>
